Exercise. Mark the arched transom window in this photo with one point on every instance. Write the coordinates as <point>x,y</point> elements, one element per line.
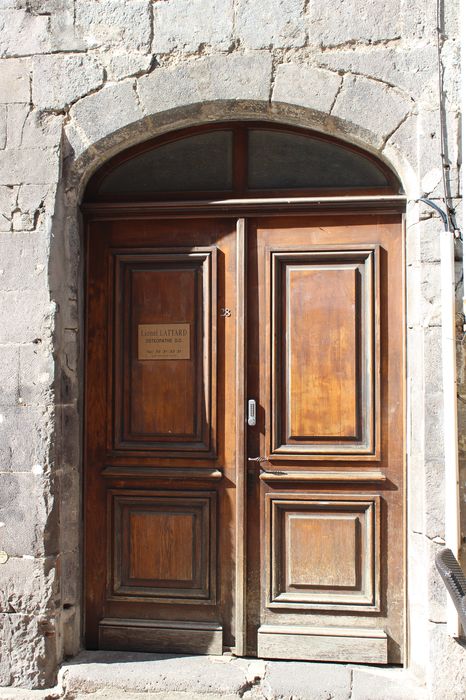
<point>240,160</point>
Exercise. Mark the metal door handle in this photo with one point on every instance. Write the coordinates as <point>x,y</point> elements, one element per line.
<point>257,459</point>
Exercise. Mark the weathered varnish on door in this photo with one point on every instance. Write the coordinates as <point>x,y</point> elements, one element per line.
<point>182,314</point>
<point>160,435</point>
<point>325,304</point>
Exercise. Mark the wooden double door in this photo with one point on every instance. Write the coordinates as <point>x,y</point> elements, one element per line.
<point>244,435</point>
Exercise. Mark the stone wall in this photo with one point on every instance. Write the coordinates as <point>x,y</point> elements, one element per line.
<point>81,80</point>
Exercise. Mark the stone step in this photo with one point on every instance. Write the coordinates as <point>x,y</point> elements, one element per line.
<point>131,676</point>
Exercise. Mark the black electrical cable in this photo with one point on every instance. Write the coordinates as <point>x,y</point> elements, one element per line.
<point>449,209</point>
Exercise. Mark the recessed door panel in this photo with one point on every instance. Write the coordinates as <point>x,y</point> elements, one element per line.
<point>324,351</point>
<point>164,545</point>
<point>165,351</point>
<point>323,551</point>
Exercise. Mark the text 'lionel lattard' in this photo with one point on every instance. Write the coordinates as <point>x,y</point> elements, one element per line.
<point>164,341</point>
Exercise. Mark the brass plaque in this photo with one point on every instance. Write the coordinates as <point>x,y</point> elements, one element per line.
<point>164,341</point>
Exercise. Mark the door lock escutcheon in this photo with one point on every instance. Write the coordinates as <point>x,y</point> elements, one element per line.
<point>252,412</point>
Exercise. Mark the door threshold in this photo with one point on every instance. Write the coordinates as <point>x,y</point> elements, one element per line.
<point>115,674</point>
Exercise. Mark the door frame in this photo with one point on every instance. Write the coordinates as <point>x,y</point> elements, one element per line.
<point>241,209</point>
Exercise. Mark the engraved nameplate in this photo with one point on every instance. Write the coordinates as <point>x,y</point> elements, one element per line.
<point>164,341</point>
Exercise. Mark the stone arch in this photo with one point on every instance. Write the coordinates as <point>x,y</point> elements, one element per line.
<point>362,111</point>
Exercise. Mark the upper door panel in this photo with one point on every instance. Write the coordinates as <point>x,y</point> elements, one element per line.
<point>165,350</point>
<point>324,347</point>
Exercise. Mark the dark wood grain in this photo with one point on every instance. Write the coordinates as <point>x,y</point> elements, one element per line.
<point>300,555</point>
<point>158,433</point>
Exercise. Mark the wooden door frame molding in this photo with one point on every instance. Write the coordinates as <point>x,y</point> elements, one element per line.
<point>270,206</point>
<point>241,209</point>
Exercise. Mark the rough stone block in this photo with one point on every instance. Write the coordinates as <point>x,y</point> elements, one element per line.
<point>14,80</point>
<point>434,520</point>
<point>433,360</point>
<point>392,684</point>
<point>402,151</point>
<point>24,510</point>
<point>25,316</point>
<point>3,126</point>
<point>414,300</point>
<point>451,57</point>
<point>45,6</point>
<point>447,668</point>
<point>91,671</point>
<point>23,33</point>
<point>433,450</point>
<point>429,150</point>
<point>36,374</point>
<point>120,66</point>
<point>28,165</point>
<point>27,586</point>
<point>62,25</point>
<point>371,106</point>
<point>277,24</point>
<point>308,681</point>
<point>9,375</point>
<point>430,311</point>
<point>44,129</point>
<point>7,203</point>
<point>30,645</point>
<point>75,142</point>
<point>305,85</point>
<point>110,109</point>
<point>32,203</point>
<point>418,19</point>
<point>23,262</point>
<point>8,197</point>
<point>416,500</point>
<point>24,438</point>
<point>341,22</point>
<point>413,245</point>
<point>223,77</point>
<point>16,119</point>
<point>437,593</point>
<point>429,235</point>
<point>60,80</point>
<point>115,23</point>
<point>414,71</point>
<point>186,25</point>
<point>5,661</point>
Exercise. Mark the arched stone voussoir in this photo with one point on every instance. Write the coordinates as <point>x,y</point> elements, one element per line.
<point>82,163</point>
<point>211,78</point>
<point>222,87</point>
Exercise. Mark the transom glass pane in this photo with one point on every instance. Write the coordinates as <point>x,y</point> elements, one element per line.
<point>201,162</point>
<point>281,160</point>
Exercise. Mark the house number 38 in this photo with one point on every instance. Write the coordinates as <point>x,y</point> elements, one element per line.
<point>225,312</point>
